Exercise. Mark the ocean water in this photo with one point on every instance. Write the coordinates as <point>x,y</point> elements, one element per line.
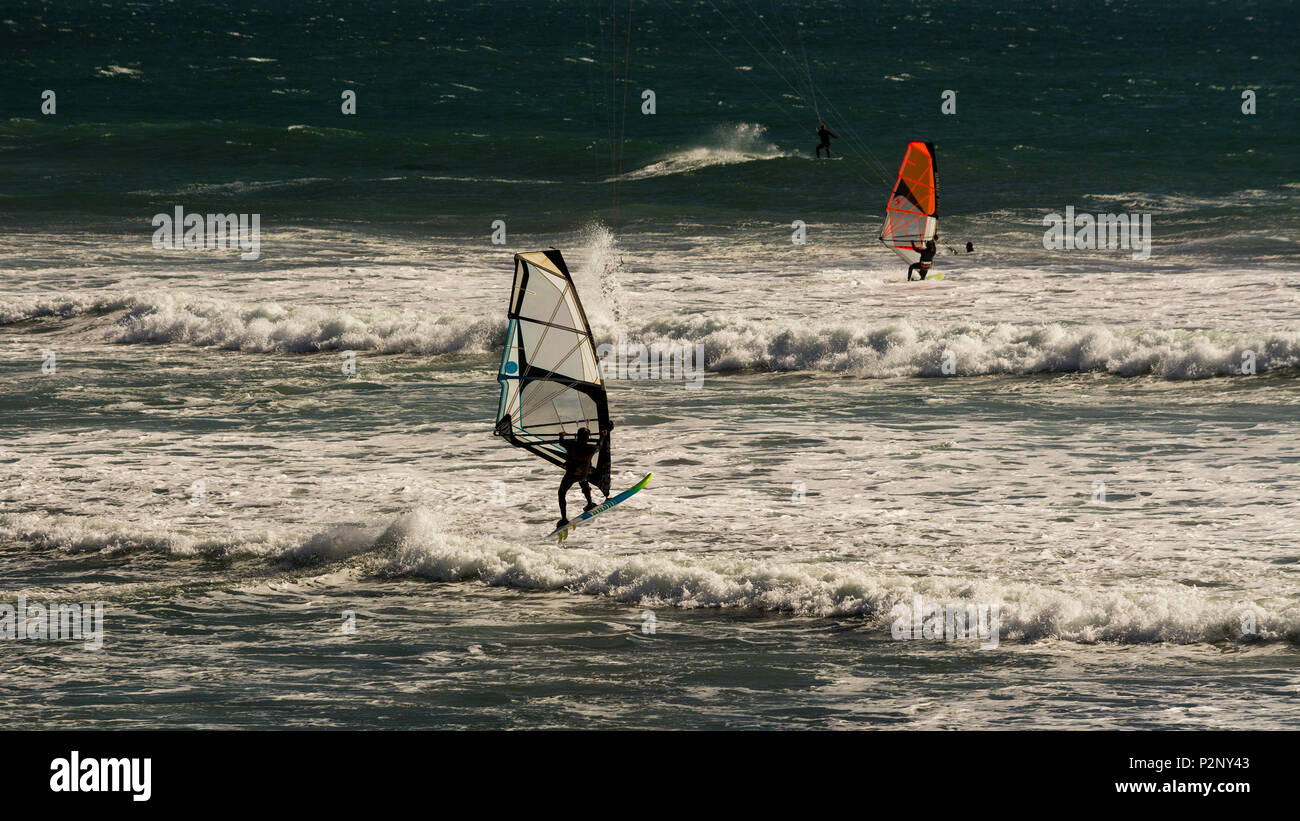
<point>279,544</point>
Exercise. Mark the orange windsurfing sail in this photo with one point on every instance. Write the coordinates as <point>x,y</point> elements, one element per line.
<point>912,213</point>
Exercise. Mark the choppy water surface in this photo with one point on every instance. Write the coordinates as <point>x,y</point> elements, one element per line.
<point>1111,463</point>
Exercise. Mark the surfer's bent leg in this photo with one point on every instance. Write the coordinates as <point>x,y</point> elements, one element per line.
<point>586,491</point>
<point>911,268</point>
<point>565,484</point>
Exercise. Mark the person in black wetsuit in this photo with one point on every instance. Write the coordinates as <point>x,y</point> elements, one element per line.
<point>927,256</point>
<point>970,247</point>
<point>579,452</point>
<point>824,134</point>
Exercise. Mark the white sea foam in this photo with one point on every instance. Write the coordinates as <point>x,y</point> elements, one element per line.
<point>730,144</point>
<point>869,349</point>
<point>422,544</point>
<point>94,534</point>
<point>595,271</point>
<point>270,327</point>
<point>37,307</point>
<point>900,348</point>
<point>162,317</point>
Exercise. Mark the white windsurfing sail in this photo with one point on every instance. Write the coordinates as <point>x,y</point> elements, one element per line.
<point>550,378</point>
<point>912,213</point>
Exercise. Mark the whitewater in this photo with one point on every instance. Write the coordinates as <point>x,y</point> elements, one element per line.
<point>1109,461</point>
<point>1001,311</point>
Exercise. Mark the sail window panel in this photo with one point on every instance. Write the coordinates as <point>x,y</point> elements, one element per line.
<point>538,412</point>
<point>547,408</point>
<point>549,299</point>
<point>554,351</point>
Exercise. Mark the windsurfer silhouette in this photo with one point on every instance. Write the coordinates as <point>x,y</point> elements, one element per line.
<point>824,134</point>
<point>577,465</point>
<point>927,256</point>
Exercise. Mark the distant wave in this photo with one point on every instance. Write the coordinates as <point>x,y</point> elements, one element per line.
<point>420,544</point>
<point>269,327</point>
<point>1164,203</point>
<point>731,144</point>
<point>235,187</point>
<point>118,71</point>
<point>885,349</point>
<point>901,348</point>
<point>160,317</point>
<point>88,534</point>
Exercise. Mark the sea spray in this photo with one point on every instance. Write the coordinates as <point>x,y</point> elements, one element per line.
<point>596,275</point>
<point>727,145</point>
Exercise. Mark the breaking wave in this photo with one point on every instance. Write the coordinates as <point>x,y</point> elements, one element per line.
<point>895,348</point>
<point>729,145</point>
<point>159,317</point>
<point>900,348</point>
<point>422,545</point>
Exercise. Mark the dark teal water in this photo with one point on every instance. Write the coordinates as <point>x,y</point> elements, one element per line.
<point>466,110</point>
<point>377,494</point>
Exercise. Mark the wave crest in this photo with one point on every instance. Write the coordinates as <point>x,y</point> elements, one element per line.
<point>729,145</point>
<point>900,348</point>
<point>424,546</point>
<point>894,348</point>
